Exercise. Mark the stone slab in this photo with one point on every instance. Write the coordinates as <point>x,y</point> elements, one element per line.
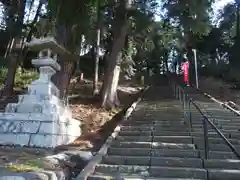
<point>27,116</point>
<point>14,139</point>
<point>27,133</point>
<point>7,126</point>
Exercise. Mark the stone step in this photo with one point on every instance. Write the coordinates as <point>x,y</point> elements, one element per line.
<point>135,133</point>
<point>225,119</point>
<point>155,161</point>
<point>181,153</point>
<point>170,153</point>
<point>159,129</point>
<point>155,145</point>
<point>222,164</point>
<point>235,135</point>
<point>218,147</point>
<point>180,121</point>
<point>136,128</point>
<point>155,122</point>
<point>216,122</point>
<point>219,126</point>
<point>129,151</point>
<point>223,174</point>
<point>172,162</point>
<point>219,155</point>
<point>103,177</point>
<point>173,133</point>
<point>180,125</point>
<point>156,128</point>
<point>176,139</point>
<point>200,140</point>
<point>231,123</point>
<point>151,171</point>
<point>135,138</point>
<point>210,134</point>
<point>228,131</point>
<point>171,139</point>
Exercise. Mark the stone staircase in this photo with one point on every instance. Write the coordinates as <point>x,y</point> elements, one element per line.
<point>155,143</point>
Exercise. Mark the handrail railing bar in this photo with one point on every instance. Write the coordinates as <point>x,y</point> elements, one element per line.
<point>206,145</point>
<point>217,130</point>
<point>206,120</point>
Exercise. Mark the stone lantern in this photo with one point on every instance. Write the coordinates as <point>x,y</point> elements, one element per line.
<point>40,118</point>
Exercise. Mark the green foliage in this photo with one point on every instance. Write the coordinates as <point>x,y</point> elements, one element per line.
<point>192,16</point>
<point>21,78</point>
<point>24,78</point>
<point>233,76</point>
<point>217,71</point>
<point>3,75</point>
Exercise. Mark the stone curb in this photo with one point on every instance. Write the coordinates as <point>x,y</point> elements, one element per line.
<point>89,168</point>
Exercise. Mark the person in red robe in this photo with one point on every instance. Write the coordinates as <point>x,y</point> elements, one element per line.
<point>185,69</point>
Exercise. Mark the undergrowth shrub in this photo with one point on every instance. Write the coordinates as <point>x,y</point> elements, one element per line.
<point>22,77</point>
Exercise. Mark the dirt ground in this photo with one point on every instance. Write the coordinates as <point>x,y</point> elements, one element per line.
<point>97,124</point>
<point>219,89</point>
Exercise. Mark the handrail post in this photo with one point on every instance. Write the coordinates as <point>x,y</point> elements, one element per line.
<point>177,89</point>
<point>174,90</point>
<point>190,117</point>
<point>184,105</point>
<point>206,145</point>
<point>180,95</point>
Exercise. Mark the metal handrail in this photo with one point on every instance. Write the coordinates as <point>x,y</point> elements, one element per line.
<point>184,98</point>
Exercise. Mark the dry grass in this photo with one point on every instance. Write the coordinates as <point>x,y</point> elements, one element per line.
<point>97,123</point>
<point>22,168</point>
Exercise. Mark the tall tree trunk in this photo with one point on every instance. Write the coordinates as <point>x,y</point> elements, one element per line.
<point>9,83</point>
<point>65,75</point>
<point>9,47</point>
<point>109,93</point>
<point>97,53</point>
<point>13,62</point>
<point>12,67</point>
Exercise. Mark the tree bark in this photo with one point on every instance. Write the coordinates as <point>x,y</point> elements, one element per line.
<point>65,75</point>
<point>8,88</point>
<point>13,61</point>
<point>12,68</point>
<point>109,93</point>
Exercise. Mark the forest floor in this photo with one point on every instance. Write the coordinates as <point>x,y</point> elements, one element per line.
<point>97,125</point>
<point>219,89</point>
<point>96,121</point>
